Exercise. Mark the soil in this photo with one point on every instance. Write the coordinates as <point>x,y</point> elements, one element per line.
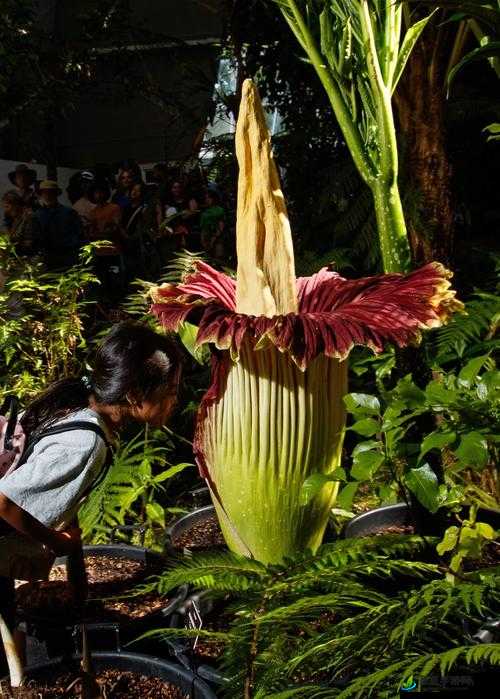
<point>490,557</point>
<point>114,684</point>
<point>110,580</point>
<point>393,529</point>
<point>108,574</point>
<point>204,534</point>
<point>208,650</point>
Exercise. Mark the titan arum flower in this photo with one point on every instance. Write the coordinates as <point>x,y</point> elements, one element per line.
<point>274,414</point>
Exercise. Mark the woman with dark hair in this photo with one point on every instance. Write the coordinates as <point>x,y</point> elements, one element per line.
<point>135,377</point>
<point>127,177</point>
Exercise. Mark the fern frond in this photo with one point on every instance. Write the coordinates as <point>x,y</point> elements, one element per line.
<point>182,264</point>
<point>476,326</point>
<point>217,571</point>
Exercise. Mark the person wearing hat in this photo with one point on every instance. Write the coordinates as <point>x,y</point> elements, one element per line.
<point>57,229</point>
<point>23,178</point>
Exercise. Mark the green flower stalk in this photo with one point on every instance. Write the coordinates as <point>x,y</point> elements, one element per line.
<point>274,414</point>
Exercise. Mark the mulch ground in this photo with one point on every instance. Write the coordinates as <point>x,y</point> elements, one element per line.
<point>204,534</point>
<point>110,598</point>
<point>113,684</point>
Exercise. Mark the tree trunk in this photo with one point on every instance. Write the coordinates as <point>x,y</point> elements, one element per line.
<point>420,102</point>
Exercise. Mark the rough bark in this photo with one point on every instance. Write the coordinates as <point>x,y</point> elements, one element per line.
<point>420,106</point>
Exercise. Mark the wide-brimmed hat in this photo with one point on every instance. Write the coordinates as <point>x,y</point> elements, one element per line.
<point>24,170</point>
<point>49,184</point>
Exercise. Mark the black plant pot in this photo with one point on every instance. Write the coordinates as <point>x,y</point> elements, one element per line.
<point>402,515</point>
<point>146,665</point>
<point>184,524</point>
<point>201,497</point>
<point>56,633</point>
<point>197,606</point>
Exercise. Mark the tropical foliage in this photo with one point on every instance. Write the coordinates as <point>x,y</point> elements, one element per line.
<point>359,54</point>
<point>357,619</point>
<point>42,319</point>
<point>133,492</point>
<point>465,410</point>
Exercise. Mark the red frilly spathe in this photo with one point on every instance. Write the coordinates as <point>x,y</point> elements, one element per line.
<point>334,313</point>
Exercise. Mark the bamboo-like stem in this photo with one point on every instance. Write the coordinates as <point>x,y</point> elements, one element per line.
<point>378,168</point>
<point>349,128</point>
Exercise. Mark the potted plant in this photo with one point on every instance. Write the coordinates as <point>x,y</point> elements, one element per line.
<point>395,458</point>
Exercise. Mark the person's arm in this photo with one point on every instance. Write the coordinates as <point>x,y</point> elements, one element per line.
<point>61,543</point>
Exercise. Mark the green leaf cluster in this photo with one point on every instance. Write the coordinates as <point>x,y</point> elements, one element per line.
<point>465,409</point>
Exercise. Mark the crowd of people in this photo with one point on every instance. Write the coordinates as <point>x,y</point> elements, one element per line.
<point>143,222</point>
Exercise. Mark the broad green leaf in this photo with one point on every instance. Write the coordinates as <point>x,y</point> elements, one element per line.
<point>410,393</point>
<point>470,371</point>
<point>365,464</point>
<point>346,496</point>
<point>449,540</point>
<point>339,512</point>
<point>169,472</point>
<point>473,450</point>
<point>367,427</point>
<point>423,483</point>
<point>486,531</point>
<point>436,440</point>
<point>187,334</point>
<point>407,46</point>
<point>369,445</point>
<point>493,131</point>
<point>450,496</point>
<point>490,384</point>
<point>155,512</point>
<point>438,395</point>
<point>362,403</point>
<point>313,484</point>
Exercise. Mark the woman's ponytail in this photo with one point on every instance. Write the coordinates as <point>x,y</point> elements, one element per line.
<point>59,399</point>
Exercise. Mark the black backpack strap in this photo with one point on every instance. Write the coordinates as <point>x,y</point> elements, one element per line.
<point>70,427</point>
<point>61,429</point>
<point>10,406</point>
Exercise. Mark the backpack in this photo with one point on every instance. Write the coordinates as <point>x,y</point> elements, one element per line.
<point>14,451</point>
<point>12,437</point>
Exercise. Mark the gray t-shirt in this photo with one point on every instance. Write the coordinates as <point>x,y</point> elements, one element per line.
<point>51,483</point>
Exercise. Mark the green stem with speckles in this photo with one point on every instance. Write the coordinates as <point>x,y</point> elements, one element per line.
<point>391,226</point>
